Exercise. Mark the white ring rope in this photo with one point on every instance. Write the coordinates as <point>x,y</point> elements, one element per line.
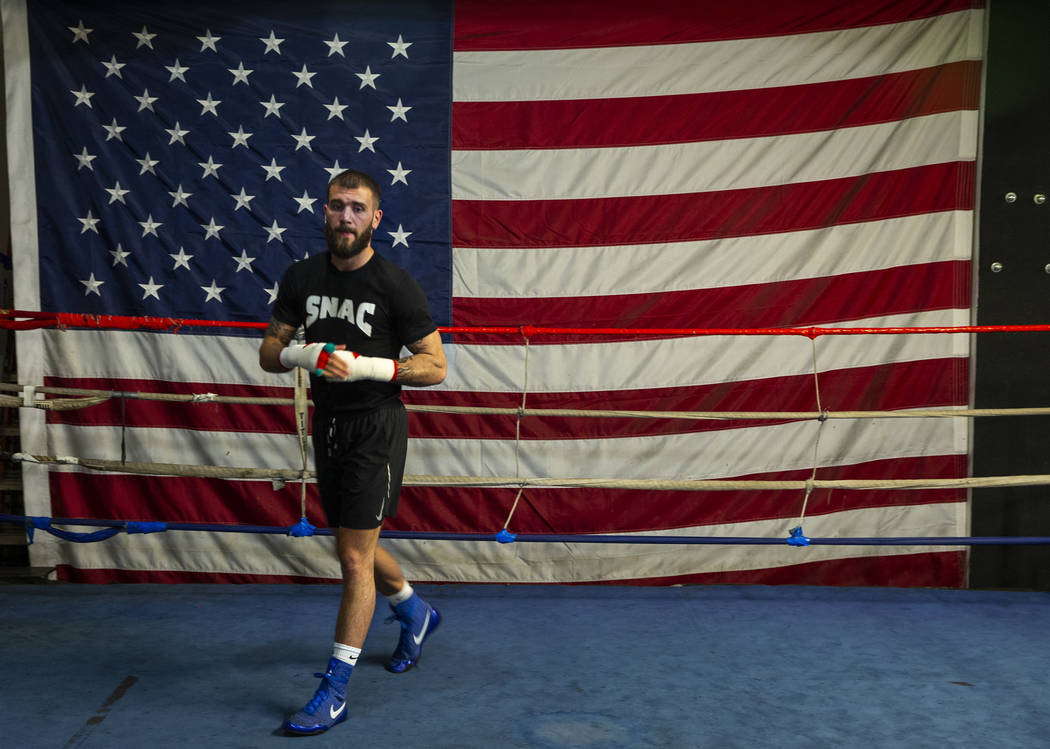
<point>95,397</point>
<point>178,469</point>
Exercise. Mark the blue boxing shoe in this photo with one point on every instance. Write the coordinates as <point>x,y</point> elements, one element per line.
<point>328,706</point>
<point>418,621</point>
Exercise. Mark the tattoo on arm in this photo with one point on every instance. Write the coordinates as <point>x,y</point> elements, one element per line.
<point>404,368</point>
<point>408,371</point>
<point>280,331</point>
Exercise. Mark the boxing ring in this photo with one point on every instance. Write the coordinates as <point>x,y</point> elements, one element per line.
<point>537,666</point>
<point>62,399</point>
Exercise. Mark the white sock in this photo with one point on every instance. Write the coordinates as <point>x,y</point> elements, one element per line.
<point>345,653</point>
<point>401,596</point>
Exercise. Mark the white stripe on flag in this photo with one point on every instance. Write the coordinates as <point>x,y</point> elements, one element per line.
<point>707,166</point>
<point>712,264</point>
<point>672,69</point>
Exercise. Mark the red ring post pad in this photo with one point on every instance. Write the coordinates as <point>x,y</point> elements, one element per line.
<point>322,361</point>
<point>796,538</point>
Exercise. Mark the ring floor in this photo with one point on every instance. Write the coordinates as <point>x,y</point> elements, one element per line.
<point>532,666</point>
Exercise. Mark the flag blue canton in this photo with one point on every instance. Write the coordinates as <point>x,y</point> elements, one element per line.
<point>182,156</point>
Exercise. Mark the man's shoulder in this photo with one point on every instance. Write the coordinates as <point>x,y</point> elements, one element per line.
<point>384,266</point>
<point>310,262</point>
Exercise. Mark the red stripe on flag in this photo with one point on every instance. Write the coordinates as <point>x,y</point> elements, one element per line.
<point>456,509</point>
<point>914,384</point>
<point>812,301</point>
<point>710,215</point>
<point>483,25</point>
<point>928,383</point>
<point>180,499</point>
<point>715,116</point>
<point>925,570</point>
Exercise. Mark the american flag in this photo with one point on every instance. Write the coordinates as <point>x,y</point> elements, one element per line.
<point>581,164</point>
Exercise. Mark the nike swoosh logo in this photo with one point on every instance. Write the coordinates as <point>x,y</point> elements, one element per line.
<point>418,639</point>
<point>335,713</point>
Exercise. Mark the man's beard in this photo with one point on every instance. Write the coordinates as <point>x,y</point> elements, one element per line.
<point>341,248</point>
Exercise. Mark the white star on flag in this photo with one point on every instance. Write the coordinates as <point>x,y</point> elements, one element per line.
<point>116,193</point>
<point>335,47</point>
<point>92,285</point>
<point>208,41</point>
<point>114,130</point>
<point>209,105</point>
<point>272,171</point>
<point>210,168</point>
<point>303,76</point>
<point>181,259</point>
<point>180,197</point>
<point>335,109</point>
<point>145,101</point>
<point>89,223</point>
<point>84,159</point>
<point>240,74</point>
<point>113,67</point>
<point>368,78</point>
<point>176,71</point>
<point>145,38</point>
<point>120,256</point>
<point>80,34</point>
<point>83,96</point>
<point>399,111</point>
<point>149,226</point>
<point>176,134</point>
<point>399,174</point>
<point>150,289</point>
<point>366,142</point>
<point>147,164</point>
<point>275,232</point>
<point>302,140</point>
<point>306,203</point>
<point>335,170</point>
<point>243,200</point>
<point>211,229</point>
<point>213,292</point>
<point>272,292</point>
<point>273,44</point>
<point>400,47</point>
<point>240,138</point>
<point>272,107</point>
<point>400,236</point>
<point>244,262</point>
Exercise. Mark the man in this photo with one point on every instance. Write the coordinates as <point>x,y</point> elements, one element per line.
<point>359,310</point>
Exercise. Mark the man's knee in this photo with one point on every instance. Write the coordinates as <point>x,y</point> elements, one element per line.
<point>356,551</point>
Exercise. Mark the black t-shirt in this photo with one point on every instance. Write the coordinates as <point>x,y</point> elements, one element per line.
<point>374,310</point>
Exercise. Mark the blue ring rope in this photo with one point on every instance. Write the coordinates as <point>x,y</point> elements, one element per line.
<point>153,527</point>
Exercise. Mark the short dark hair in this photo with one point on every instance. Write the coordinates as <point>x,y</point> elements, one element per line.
<point>351,178</point>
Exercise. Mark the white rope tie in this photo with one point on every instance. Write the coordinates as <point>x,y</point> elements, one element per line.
<point>301,428</point>
<point>517,434</point>
<point>816,441</point>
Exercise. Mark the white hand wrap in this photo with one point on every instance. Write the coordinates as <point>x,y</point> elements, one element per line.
<point>311,357</point>
<point>367,367</point>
